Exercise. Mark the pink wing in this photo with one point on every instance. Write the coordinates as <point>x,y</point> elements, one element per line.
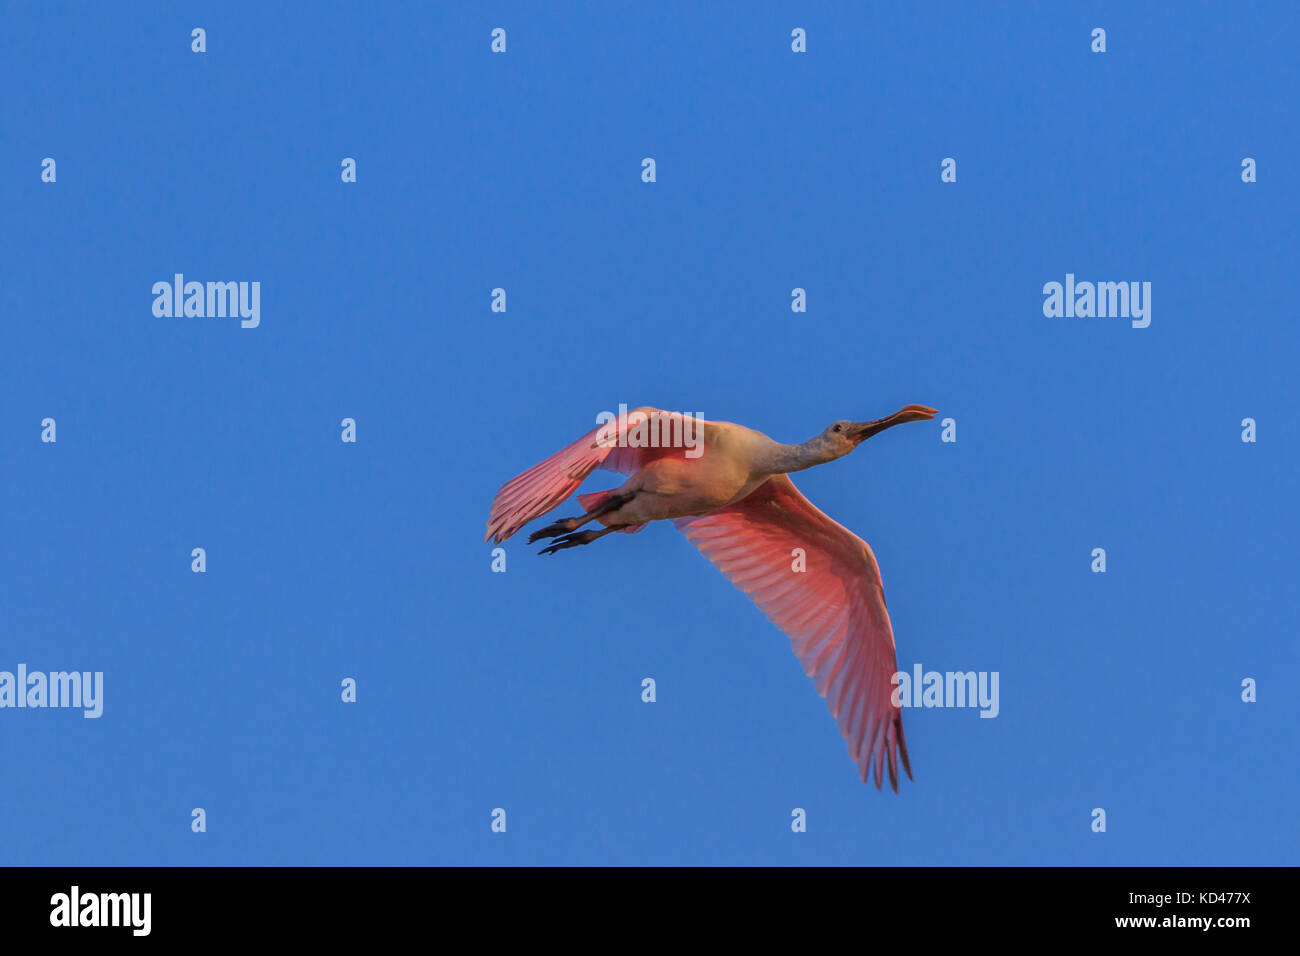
<point>548,483</point>
<point>833,612</point>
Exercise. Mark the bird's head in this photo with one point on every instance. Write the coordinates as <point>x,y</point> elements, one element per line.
<point>840,438</point>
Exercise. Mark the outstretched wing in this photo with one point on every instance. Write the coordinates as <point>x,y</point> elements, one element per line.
<point>548,483</point>
<point>833,612</point>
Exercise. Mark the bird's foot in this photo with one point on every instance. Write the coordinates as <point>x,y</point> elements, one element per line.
<point>572,541</point>
<point>563,526</point>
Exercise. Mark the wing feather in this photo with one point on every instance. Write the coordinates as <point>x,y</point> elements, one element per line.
<point>833,612</point>
<point>547,484</point>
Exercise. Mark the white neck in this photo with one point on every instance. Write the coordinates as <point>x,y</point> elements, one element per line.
<point>779,459</point>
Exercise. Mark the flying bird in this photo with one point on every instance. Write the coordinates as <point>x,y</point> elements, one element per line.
<point>727,488</point>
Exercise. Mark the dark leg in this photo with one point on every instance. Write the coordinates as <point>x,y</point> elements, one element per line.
<point>575,539</point>
<point>566,525</point>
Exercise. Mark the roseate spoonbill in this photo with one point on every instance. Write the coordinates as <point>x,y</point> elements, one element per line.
<point>731,496</point>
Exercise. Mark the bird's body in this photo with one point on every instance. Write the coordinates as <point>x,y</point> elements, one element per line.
<point>674,486</point>
<point>727,490</point>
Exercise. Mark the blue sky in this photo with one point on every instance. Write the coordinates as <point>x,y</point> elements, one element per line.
<point>775,170</point>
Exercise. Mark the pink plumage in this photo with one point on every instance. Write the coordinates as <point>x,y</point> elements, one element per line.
<point>733,499</point>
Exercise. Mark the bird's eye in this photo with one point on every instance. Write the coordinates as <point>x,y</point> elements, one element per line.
<point>837,427</point>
